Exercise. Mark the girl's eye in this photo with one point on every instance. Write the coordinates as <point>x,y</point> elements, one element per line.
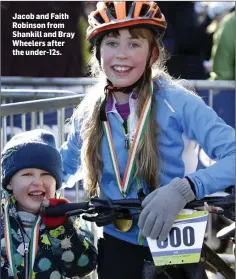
<point>134,45</point>
<point>112,44</point>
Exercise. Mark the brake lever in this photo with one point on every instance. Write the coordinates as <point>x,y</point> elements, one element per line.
<point>101,205</point>
<point>80,211</point>
<point>141,195</point>
<point>101,219</point>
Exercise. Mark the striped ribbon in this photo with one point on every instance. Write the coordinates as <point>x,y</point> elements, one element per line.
<point>130,167</point>
<point>9,245</point>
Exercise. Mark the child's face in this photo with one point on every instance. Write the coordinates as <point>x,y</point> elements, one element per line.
<point>30,187</point>
<point>123,58</point>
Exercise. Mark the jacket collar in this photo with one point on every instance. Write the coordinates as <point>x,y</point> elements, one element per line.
<point>111,102</point>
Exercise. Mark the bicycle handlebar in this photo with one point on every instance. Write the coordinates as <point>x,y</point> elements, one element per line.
<point>62,209</point>
<point>99,206</point>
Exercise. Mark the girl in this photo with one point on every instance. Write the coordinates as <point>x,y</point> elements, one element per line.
<point>138,128</point>
<point>32,245</point>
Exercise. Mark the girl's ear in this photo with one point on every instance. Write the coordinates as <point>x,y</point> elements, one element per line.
<point>155,55</point>
<point>9,187</point>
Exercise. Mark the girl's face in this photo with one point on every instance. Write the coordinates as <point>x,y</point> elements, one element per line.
<point>30,187</point>
<point>123,58</point>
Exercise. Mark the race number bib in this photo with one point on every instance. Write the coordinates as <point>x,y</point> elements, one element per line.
<point>184,242</point>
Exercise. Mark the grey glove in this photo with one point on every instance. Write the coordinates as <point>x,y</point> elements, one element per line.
<point>162,206</point>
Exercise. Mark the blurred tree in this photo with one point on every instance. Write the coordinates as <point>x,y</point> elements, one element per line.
<point>223,50</point>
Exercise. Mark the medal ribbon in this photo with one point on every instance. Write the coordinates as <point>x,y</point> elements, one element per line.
<point>9,245</point>
<point>130,167</point>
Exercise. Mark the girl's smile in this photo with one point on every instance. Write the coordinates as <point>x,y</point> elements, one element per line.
<point>121,69</point>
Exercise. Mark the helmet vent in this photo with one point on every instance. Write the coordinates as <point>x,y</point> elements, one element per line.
<point>158,14</point>
<point>99,18</point>
<point>111,9</point>
<point>129,8</point>
<point>144,10</point>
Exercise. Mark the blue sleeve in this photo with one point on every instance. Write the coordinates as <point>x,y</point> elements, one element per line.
<point>202,124</point>
<point>70,153</point>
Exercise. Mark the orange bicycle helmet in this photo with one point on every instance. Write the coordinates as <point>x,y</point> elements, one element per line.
<point>112,15</point>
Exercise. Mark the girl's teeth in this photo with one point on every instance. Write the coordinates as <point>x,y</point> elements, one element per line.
<point>121,69</point>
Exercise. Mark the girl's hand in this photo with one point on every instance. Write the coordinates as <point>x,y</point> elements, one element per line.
<point>161,207</point>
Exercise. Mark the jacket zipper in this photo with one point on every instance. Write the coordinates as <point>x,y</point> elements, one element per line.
<point>125,125</point>
<point>26,250</point>
<point>26,254</point>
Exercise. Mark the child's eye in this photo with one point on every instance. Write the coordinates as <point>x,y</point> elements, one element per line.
<point>46,173</point>
<point>134,45</point>
<point>26,174</point>
<point>112,44</point>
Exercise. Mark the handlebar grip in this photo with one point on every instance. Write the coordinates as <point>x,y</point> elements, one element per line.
<point>214,201</point>
<point>62,209</point>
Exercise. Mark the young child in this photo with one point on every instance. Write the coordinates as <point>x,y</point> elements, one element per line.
<point>138,128</point>
<point>32,245</point>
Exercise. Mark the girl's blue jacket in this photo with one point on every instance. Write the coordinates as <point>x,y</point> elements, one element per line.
<point>186,123</point>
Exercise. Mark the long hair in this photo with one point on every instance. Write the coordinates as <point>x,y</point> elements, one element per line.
<point>91,131</point>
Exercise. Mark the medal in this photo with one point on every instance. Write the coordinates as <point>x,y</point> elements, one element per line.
<point>124,221</point>
<point>123,225</point>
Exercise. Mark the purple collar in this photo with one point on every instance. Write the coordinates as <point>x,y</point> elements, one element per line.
<point>111,101</point>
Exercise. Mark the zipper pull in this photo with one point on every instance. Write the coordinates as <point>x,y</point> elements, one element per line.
<point>26,260</point>
<point>26,248</point>
<point>126,142</point>
<point>125,125</point>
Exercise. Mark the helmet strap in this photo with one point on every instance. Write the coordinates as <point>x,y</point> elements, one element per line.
<point>125,90</point>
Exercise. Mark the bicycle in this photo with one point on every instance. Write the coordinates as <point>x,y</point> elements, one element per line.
<point>103,212</point>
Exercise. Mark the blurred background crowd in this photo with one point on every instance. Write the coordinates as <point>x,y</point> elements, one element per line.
<point>200,40</point>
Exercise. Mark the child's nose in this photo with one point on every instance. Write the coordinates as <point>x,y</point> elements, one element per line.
<point>121,52</point>
<point>37,180</point>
